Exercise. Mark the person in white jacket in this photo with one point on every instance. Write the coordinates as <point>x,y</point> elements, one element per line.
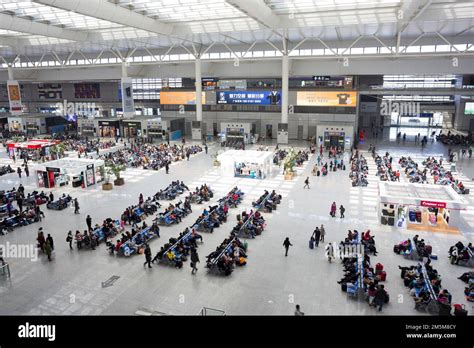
<point>330,252</point>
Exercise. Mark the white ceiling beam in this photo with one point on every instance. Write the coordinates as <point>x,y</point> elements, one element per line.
<point>108,11</point>
<point>23,25</point>
<point>258,11</point>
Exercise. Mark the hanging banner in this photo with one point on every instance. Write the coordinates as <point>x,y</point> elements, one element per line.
<point>14,97</point>
<point>127,97</point>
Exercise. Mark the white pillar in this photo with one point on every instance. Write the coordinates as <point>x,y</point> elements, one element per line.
<point>10,72</point>
<point>197,64</point>
<point>124,69</point>
<point>284,88</point>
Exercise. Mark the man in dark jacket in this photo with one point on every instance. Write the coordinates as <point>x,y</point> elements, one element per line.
<point>287,245</point>
<point>380,297</point>
<point>317,236</point>
<point>89,222</point>
<point>147,256</point>
<point>194,260</point>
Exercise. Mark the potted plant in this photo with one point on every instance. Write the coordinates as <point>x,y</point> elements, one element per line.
<point>107,185</point>
<point>289,164</point>
<point>216,162</point>
<point>115,169</point>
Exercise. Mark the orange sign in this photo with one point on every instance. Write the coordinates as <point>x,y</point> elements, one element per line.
<point>337,98</point>
<point>180,98</point>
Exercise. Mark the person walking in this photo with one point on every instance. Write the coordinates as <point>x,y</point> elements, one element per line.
<point>19,172</point>
<point>470,152</point>
<point>194,260</point>
<point>317,236</point>
<point>27,171</point>
<point>89,222</point>
<point>48,250</point>
<point>333,209</point>
<point>76,206</point>
<point>323,232</point>
<point>69,239</point>
<point>342,210</point>
<point>147,256</point>
<point>205,148</point>
<point>306,183</point>
<point>330,252</point>
<point>19,202</point>
<point>140,199</point>
<point>287,245</point>
<point>298,311</point>
<point>167,167</point>
<point>380,297</point>
<point>50,240</point>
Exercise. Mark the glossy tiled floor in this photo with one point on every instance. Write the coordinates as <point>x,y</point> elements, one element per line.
<point>270,284</point>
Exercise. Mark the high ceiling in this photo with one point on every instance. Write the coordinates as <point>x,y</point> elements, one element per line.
<point>34,28</point>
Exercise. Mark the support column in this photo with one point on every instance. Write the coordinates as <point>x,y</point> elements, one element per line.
<point>10,72</point>
<point>198,128</point>
<point>124,69</point>
<point>282,137</point>
<point>285,71</point>
<point>198,73</point>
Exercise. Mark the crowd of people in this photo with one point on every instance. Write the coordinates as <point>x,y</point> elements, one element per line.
<point>84,146</point>
<point>249,224</point>
<point>178,249</point>
<point>151,156</point>
<point>384,168</point>
<point>267,201</point>
<point>359,169</point>
<point>453,139</point>
<point>442,176</point>
<point>414,248</point>
<point>462,254</point>
<point>27,212</point>
<point>231,252</point>
<point>361,278</point>
<point>425,287</point>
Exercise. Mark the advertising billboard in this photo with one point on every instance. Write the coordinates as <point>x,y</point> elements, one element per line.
<point>469,109</point>
<point>14,97</point>
<point>180,98</point>
<point>317,98</point>
<point>249,97</point>
<point>128,106</point>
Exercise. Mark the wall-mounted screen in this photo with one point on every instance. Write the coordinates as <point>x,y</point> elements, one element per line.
<point>50,91</point>
<point>469,109</point>
<point>87,90</point>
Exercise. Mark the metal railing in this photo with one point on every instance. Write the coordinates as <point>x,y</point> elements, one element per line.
<point>206,311</point>
<point>5,269</point>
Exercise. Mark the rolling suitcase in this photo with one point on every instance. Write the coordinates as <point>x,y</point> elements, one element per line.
<point>396,249</point>
<point>428,249</point>
<point>383,276</point>
<point>311,243</point>
<point>378,268</point>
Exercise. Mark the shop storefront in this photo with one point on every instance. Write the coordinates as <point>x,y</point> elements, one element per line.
<point>335,136</point>
<point>246,164</point>
<point>109,129</point>
<point>87,127</point>
<point>423,207</point>
<point>132,129</point>
<point>34,149</point>
<point>75,172</point>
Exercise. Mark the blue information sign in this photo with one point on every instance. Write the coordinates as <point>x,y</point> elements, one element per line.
<point>249,97</point>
